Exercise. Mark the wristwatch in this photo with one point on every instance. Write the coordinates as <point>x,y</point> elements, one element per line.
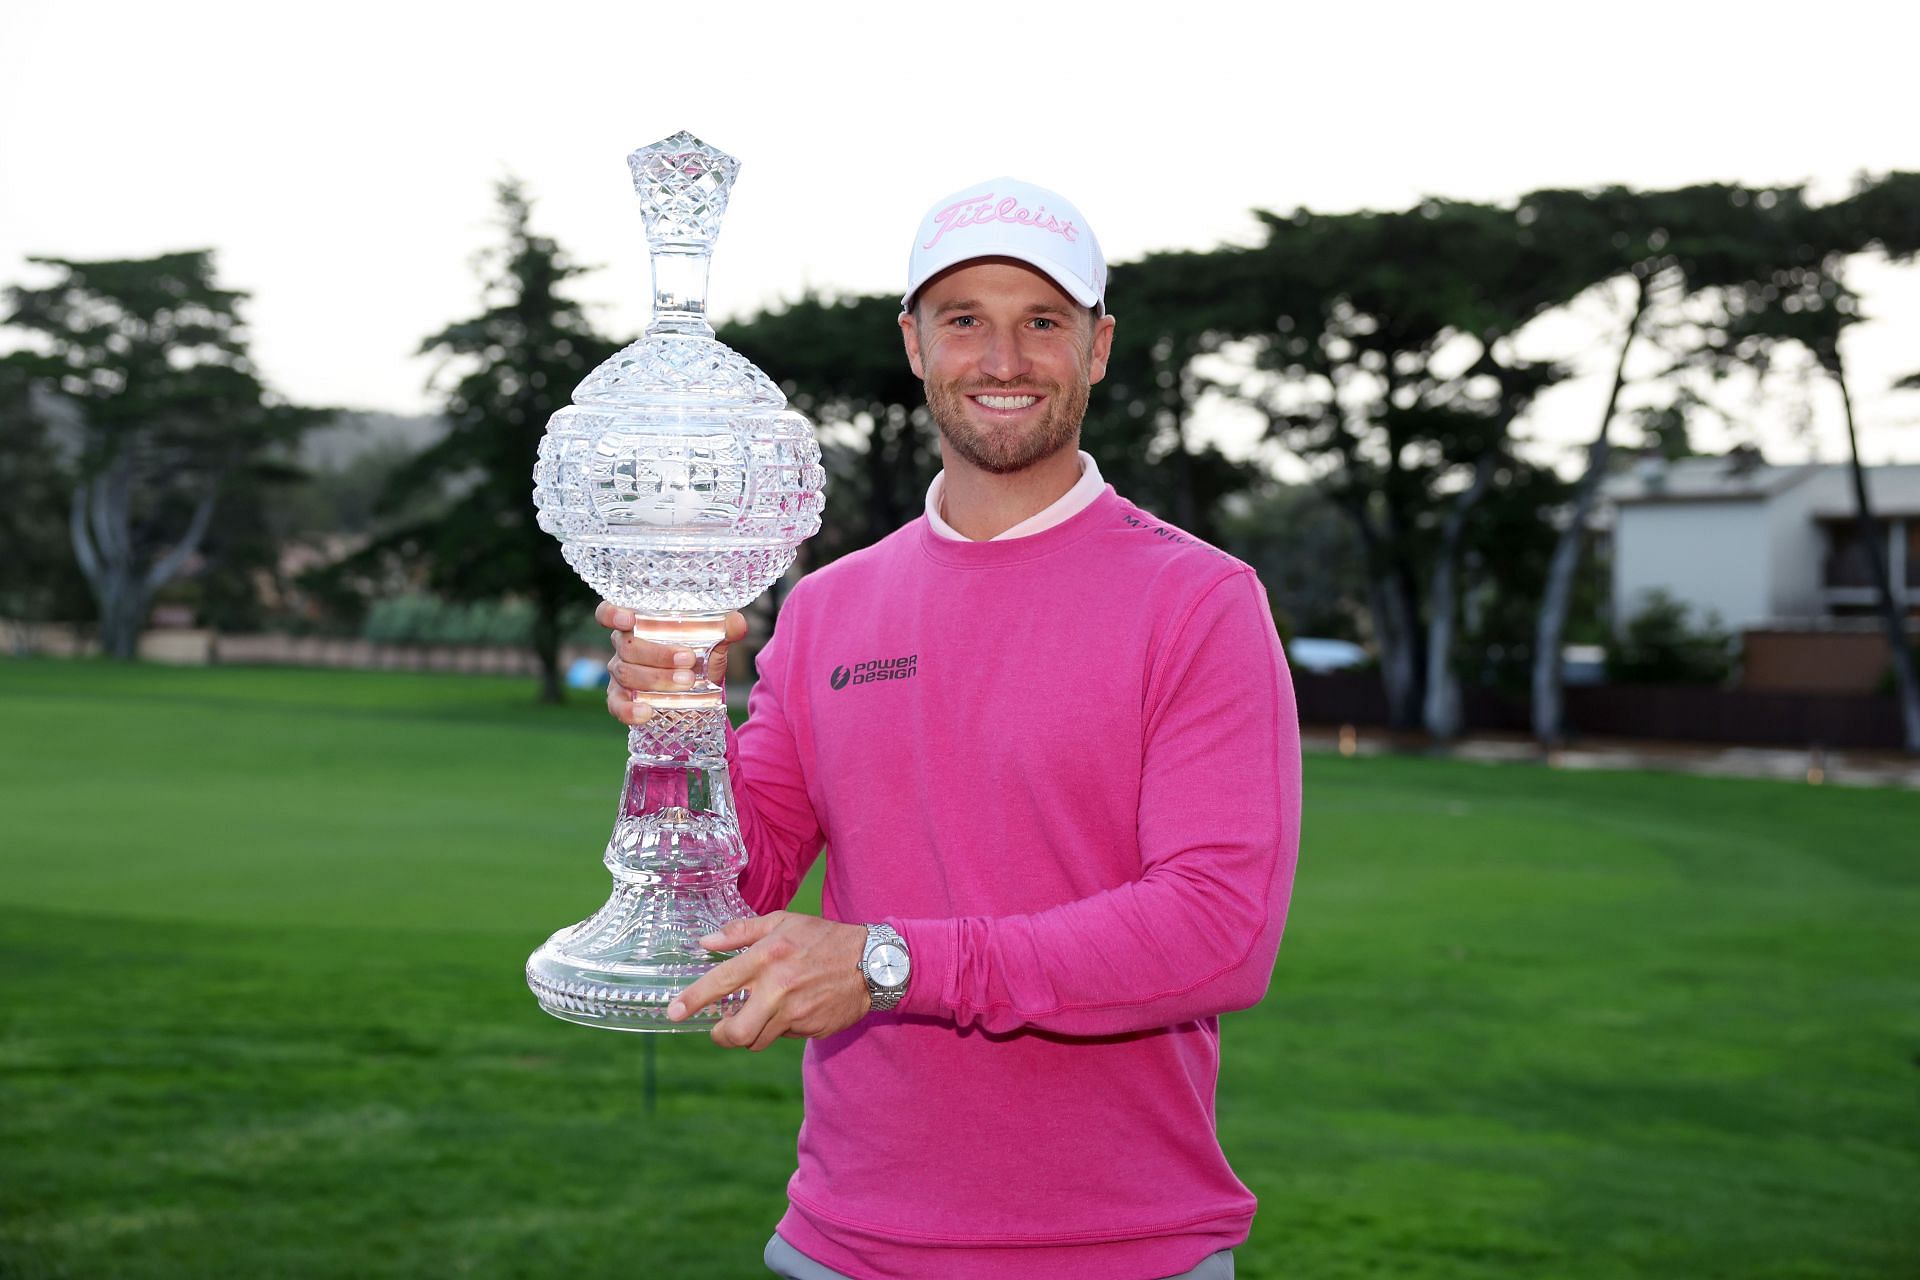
<point>885,965</point>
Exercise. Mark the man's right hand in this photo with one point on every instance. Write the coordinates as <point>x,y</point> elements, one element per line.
<point>641,666</point>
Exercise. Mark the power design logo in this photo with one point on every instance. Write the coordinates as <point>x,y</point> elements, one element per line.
<point>877,669</point>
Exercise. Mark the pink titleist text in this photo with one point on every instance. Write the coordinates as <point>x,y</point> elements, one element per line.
<point>974,210</point>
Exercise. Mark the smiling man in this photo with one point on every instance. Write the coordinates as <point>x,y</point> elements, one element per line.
<point>1048,743</point>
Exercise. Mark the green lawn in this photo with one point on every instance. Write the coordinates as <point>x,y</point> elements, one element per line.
<point>261,935</point>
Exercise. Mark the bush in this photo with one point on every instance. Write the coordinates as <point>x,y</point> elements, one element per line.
<point>1661,645</point>
<point>426,619</point>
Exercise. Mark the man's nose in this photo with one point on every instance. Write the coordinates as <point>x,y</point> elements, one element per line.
<point>1005,358</point>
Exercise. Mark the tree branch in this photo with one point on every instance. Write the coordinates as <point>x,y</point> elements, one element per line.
<point>83,548</point>
<point>168,565</point>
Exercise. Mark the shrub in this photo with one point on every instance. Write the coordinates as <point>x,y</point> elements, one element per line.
<point>1661,644</point>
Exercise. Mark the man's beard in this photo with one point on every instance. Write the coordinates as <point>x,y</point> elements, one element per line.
<point>1004,452</point>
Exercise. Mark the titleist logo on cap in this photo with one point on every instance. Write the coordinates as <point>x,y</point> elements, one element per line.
<point>974,210</point>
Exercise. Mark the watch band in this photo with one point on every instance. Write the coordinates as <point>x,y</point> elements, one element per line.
<point>896,964</point>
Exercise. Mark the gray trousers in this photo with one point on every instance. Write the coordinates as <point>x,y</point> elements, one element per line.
<point>784,1260</point>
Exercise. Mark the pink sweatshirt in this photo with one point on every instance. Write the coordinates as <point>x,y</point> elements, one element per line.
<point>1066,768</point>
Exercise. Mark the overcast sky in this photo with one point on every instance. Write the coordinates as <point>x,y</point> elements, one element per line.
<point>341,158</point>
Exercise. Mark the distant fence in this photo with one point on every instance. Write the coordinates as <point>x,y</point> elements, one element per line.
<point>369,655</point>
<point>1673,713</point>
<point>194,647</point>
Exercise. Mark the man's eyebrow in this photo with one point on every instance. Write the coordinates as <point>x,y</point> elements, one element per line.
<point>973,304</point>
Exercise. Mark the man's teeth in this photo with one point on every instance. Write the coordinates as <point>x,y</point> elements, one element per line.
<point>1006,402</point>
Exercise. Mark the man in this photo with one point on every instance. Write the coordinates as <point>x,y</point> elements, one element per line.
<point>1049,744</point>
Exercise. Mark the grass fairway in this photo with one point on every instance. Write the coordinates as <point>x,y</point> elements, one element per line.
<point>261,936</point>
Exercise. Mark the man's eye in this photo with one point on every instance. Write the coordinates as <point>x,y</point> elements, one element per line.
<point>966,321</point>
<point>1042,322</point>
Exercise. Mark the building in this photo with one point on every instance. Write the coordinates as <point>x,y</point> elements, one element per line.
<point>1774,553</point>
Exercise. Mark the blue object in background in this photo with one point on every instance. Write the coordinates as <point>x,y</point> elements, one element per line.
<point>1583,664</point>
<point>585,673</point>
<point>1313,653</point>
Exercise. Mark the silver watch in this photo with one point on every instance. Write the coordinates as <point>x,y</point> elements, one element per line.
<point>885,965</point>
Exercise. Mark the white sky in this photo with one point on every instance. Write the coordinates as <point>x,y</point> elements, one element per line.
<point>341,158</point>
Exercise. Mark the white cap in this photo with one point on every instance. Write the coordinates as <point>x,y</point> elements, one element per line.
<point>1007,218</point>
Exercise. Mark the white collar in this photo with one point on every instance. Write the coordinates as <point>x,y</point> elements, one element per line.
<point>1059,511</point>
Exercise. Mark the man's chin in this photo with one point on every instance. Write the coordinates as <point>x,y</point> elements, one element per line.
<point>998,463</point>
<point>1001,449</point>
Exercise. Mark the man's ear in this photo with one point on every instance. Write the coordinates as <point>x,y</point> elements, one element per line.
<point>1102,348</point>
<point>910,334</point>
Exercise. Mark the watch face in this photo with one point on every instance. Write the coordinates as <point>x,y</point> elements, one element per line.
<point>887,965</point>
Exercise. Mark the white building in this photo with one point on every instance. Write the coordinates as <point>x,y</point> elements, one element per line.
<point>1759,545</point>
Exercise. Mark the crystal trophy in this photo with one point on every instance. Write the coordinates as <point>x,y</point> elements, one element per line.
<point>680,486</point>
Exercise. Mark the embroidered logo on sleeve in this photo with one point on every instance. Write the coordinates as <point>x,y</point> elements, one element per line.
<point>1171,536</point>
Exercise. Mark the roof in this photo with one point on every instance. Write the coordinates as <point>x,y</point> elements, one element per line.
<point>1737,477</point>
<point>1893,490</point>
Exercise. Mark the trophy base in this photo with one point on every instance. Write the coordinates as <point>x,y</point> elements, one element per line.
<point>597,995</point>
<point>620,969</point>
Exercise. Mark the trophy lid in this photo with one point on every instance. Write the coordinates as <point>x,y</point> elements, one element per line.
<point>683,185</point>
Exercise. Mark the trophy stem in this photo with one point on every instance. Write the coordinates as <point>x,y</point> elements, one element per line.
<point>680,288</point>
<point>699,634</point>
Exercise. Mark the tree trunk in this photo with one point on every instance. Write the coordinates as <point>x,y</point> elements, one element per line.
<point>545,638</point>
<point>1442,704</point>
<point>1401,667</point>
<point>1407,690</point>
<point>1549,726</point>
<point>1908,688</point>
<point>1394,617</point>
<point>123,612</point>
<point>100,524</point>
<point>1396,654</point>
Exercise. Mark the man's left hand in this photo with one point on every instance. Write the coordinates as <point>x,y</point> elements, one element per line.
<point>803,975</point>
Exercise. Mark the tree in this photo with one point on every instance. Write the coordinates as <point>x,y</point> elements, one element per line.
<point>147,360</point>
<point>1803,298</point>
<point>1505,559</point>
<point>1383,357</point>
<point>39,580</point>
<point>517,363</point>
<point>1306,553</point>
<point>1171,309</point>
<point>1669,248</point>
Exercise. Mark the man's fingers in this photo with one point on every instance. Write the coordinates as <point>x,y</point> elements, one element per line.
<point>641,678</point>
<point>742,932</point>
<point>722,980</point>
<point>754,1025</point>
<point>769,1032</point>
<point>650,653</point>
<point>624,707</point>
<point>613,617</point>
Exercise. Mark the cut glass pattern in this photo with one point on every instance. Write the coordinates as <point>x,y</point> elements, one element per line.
<point>683,186</point>
<point>680,485</point>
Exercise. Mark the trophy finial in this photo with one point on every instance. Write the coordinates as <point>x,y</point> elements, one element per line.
<point>683,185</point>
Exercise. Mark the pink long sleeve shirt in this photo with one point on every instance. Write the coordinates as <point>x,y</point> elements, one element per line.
<point>1066,768</point>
